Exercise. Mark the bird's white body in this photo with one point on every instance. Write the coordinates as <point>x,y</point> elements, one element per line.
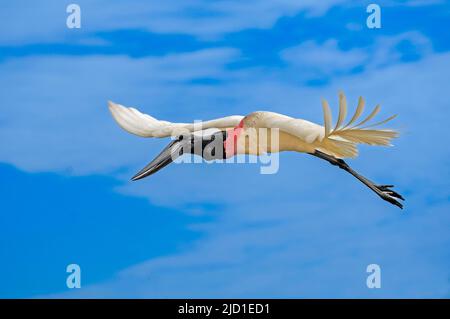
<point>293,134</point>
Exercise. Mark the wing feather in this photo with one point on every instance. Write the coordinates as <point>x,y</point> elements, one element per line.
<point>381,122</point>
<point>135,122</point>
<point>371,115</point>
<point>342,110</point>
<point>358,112</point>
<point>326,117</point>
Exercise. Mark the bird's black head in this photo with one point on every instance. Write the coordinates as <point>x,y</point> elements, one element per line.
<point>208,144</point>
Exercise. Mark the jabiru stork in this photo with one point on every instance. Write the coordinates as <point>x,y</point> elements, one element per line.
<point>225,137</point>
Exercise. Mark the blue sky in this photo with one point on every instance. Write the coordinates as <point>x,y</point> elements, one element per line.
<point>199,230</point>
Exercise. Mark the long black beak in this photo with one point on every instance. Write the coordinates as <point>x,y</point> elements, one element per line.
<point>209,147</point>
<point>167,156</point>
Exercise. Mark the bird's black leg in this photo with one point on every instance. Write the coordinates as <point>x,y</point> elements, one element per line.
<point>384,191</point>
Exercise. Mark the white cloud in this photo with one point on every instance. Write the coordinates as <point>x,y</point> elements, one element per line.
<point>323,60</point>
<point>386,51</point>
<point>313,60</point>
<point>44,21</point>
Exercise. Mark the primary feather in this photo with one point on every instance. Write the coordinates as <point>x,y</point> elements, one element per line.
<point>327,120</point>
<point>358,112</point>
<point>364,135</point>
<point>367,119</point>
<point>342,110</point>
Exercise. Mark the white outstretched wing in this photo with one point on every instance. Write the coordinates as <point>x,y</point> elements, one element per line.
<point>135,122</point>
<point>340,140</point>
<point>310,132</point>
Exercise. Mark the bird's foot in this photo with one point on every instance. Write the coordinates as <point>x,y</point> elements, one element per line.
<point>386,193</point>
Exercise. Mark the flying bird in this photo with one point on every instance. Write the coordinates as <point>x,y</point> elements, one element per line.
<point>226,137</point>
